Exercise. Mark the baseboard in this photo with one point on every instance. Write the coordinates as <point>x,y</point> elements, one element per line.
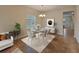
<point>60,34</point>
<point>22,36</point>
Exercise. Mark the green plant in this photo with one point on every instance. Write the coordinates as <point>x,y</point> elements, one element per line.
<point>17,27</point>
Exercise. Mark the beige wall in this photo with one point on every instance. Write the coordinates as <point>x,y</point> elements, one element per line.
<point>57,14</point>
<point>7,18</point>
<point>9,15</point>
<point>77,24</point>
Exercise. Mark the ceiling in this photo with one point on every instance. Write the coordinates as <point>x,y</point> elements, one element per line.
<point>44,7</point>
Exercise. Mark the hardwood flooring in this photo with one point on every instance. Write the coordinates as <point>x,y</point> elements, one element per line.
<point>61,44</point>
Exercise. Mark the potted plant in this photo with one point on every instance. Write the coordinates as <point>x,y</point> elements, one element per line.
<point>17,28</point>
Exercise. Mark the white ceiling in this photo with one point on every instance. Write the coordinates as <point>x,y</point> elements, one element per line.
<point>44,7</point>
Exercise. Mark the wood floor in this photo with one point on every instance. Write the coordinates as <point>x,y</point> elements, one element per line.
<point>61,44</point>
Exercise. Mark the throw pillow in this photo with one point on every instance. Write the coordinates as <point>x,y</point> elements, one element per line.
<point>3,37</point>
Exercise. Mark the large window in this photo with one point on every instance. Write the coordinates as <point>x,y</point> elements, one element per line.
<point>31,22</point>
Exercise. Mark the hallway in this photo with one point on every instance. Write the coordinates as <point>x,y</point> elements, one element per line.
<point>70,41</point>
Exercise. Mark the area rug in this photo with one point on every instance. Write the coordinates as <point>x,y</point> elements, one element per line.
<point>17,50</point>
<point>39,44</point>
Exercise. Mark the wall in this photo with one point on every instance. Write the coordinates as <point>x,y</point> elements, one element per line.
<point>77,24</point>
<point>57,14</point>
<point>7,18</point>
<point>9,15</point>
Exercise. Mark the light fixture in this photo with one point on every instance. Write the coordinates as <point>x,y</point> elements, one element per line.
<point>42,14</point>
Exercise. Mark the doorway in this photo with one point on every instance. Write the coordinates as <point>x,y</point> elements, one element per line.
<point>68,24</point>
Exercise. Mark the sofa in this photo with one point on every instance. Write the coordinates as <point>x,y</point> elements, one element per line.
<point>6,43</point>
